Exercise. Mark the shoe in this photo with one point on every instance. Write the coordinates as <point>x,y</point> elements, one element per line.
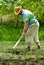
<point>39,48</point>
<point>28,49</point>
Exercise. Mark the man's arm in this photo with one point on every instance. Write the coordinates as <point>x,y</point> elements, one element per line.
<point>25,28</point>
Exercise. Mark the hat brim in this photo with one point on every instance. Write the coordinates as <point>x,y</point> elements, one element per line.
<point>18,10</point>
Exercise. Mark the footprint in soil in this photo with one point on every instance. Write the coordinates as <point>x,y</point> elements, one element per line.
<point>17,52</point>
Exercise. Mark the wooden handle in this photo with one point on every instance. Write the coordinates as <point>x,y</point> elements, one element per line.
<point>17,42</point>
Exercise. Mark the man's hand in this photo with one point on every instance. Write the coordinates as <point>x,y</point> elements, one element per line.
<point>23,33</point>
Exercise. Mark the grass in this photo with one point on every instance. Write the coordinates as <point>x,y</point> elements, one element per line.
<point>9,33</point>
<point>8,37</point>
<point>41,33</point>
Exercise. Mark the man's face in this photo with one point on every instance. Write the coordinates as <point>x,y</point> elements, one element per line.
<point>20,13</point>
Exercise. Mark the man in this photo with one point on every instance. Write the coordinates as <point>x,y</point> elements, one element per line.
<point>31,26</point>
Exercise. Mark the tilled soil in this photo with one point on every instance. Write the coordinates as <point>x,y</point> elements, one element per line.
<point>20,56</point>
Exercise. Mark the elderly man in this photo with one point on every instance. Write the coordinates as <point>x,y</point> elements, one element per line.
<point>31,26</point>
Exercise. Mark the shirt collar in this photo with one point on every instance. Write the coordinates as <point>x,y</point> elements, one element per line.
<point>22,11</point>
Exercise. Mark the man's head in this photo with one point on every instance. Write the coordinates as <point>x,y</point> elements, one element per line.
<point>18,10</point>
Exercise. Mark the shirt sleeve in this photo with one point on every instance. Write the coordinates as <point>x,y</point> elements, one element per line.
<point>25,18</point>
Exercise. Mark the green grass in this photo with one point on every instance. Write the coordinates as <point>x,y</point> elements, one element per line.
<point>8,37</point>
<point>9,33</point>
<point>41,33</point>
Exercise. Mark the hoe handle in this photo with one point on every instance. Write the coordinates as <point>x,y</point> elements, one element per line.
<point>17,42</point>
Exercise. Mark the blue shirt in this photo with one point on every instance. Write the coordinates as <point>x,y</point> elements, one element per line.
<point>28,16</point>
